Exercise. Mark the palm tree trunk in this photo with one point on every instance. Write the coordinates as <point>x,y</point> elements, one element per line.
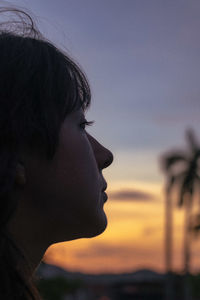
<point>187,243</point>
<point>169,293</point>
<point>168,234</point>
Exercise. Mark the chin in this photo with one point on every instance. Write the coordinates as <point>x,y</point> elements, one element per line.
<point>97,229</point>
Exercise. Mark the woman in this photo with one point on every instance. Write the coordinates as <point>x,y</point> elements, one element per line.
<point>51,185</point>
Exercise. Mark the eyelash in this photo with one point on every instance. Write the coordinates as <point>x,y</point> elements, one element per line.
<point>87,123</point>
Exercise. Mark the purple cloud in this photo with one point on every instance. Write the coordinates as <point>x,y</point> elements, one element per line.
<point>131,195</point>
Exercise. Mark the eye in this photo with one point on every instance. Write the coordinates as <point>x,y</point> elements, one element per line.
<point>86,123</point>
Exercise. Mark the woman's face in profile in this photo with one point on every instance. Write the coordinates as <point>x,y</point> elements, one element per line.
<point>63,197</point>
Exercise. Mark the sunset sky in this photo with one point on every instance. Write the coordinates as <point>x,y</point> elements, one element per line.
<point>142,61</point>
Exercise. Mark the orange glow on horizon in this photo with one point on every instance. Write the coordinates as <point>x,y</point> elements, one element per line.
<point>133,239</point>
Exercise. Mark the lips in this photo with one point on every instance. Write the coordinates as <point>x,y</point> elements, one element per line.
<point>105,196</point>
<point>104,187</point>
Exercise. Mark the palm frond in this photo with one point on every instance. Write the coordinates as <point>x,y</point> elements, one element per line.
<point>192,140</point>
<point>170,159</point>
<point>195,224</point>
<point>183,191</point>
<point>175,181</point>
<point>187,187</point>
<point>198,153</point>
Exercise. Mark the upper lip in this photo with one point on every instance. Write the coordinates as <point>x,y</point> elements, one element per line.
<point>104,187</point>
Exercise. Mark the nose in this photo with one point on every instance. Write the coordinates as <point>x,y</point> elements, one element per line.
<point>104,157</point>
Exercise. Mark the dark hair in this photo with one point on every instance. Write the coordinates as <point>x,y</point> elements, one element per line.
<point>39,86</point>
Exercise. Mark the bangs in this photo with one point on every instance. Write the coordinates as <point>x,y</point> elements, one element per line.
<point>76,86</point>
<point>41,85</point>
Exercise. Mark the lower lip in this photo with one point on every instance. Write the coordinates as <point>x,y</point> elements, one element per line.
<point>105,196</point>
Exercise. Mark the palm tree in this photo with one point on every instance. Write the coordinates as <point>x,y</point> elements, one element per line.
<point>185,180</point>
<point>167,161</point>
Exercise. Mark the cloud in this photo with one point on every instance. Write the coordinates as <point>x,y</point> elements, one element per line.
<point>175,118</point>
<point>123,251</point>
<point>129,215</point>
<point>152,230</point>
<point>131,195</point>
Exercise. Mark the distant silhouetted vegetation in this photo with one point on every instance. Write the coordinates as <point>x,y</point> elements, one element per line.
<point>58,287</point>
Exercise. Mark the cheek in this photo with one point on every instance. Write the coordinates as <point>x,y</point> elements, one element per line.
<point>74,185</point>
<point>77,163</point>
